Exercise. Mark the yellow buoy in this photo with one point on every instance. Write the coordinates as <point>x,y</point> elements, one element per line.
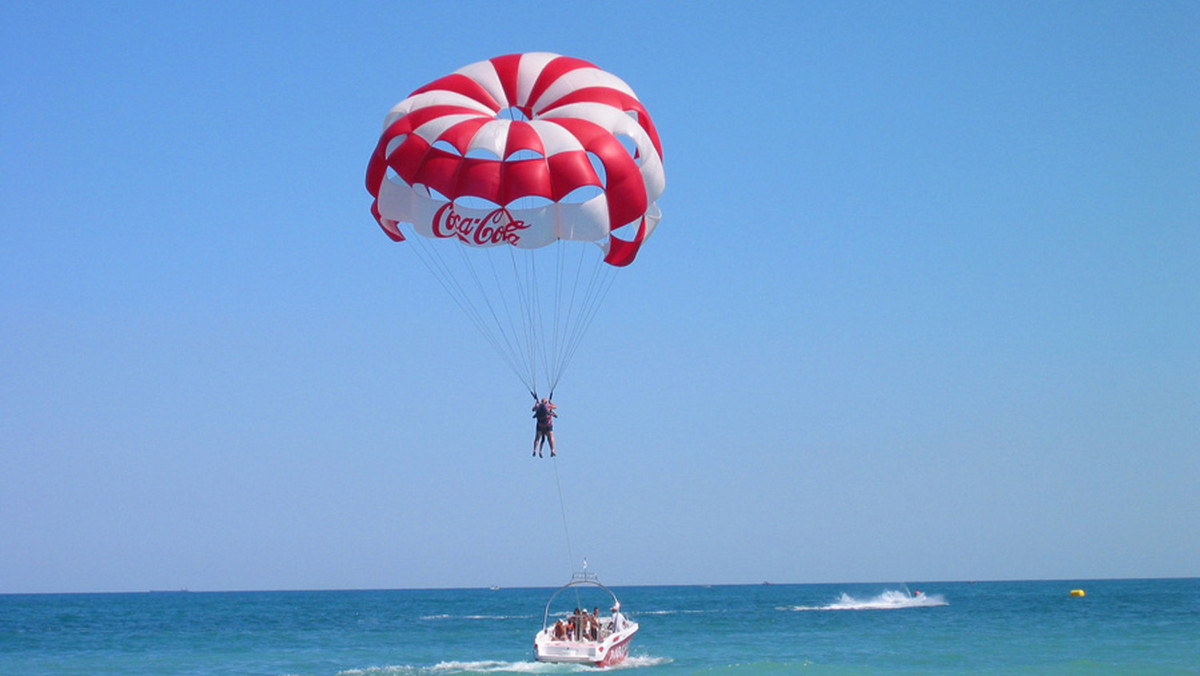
<point>1077,592</point>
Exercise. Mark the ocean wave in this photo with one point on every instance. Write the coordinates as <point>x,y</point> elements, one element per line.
<point>888,600</point>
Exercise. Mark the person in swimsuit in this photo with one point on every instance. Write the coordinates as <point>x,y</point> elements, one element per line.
<point>544,412</point>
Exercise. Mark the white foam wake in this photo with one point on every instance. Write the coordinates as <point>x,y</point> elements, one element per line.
<point>498,667</point>
<point>448,668</point>
<point>888,600</point>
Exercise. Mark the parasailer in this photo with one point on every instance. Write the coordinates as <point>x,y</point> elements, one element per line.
<point>523,182</point>
<point>544,412</point>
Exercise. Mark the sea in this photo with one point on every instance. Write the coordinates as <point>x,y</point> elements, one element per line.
<point>1118,627</point>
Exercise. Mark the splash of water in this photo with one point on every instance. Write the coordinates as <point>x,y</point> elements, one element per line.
<point>888,600</point>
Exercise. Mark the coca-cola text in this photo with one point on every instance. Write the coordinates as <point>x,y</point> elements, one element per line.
<point>496,227</point>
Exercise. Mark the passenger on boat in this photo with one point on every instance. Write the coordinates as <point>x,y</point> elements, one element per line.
<point>618,620</point>
<point>560,630</point>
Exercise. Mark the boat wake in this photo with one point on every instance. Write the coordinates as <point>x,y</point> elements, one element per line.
<point>454,667</point>
<point>679,612</point>
<point>888,600</point>
<point>499,667</point>
<point>444,616</point>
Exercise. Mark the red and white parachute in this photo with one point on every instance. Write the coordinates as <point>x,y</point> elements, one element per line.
<point>503,168</point>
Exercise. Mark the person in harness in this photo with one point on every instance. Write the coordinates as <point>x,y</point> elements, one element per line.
<point>544,412</point>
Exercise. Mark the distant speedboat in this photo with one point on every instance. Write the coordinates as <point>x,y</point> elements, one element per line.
<point>580,637</point>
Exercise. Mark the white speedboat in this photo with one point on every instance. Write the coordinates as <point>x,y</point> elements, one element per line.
<point>581,637</point>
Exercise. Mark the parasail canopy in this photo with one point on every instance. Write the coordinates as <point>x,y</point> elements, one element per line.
<point>527,178</point>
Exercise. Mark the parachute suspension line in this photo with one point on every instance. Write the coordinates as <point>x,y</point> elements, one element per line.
<point>564,315</point>
<point>563,508</point>
<point>556,348</point>
<point>441,271</point>
<point>537,347</point>
<point>524,280</point>
<point>514,344</point>
<point>505,348</point>
<point>595,291</point>
<point>562,320</point>
<point>527,311</point>
<point>538,331</point>
<point>439,267</point>
<point>599,285</point>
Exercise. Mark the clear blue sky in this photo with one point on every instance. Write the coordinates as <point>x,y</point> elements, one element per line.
<point>924,305</point>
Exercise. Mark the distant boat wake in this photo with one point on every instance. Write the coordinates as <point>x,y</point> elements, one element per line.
<point>888,600</point>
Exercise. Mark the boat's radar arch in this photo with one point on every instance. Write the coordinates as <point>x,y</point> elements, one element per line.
<point>584,579</point>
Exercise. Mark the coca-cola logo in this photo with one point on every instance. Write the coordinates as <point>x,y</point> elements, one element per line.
<point>496,227</point>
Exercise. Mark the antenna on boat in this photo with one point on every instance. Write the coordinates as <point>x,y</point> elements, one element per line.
<point>584,575</point>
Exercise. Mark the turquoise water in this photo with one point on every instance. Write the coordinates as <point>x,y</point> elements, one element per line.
<point>1120,627</point>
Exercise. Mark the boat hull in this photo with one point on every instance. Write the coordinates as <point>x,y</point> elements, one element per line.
<point>606,653</point>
